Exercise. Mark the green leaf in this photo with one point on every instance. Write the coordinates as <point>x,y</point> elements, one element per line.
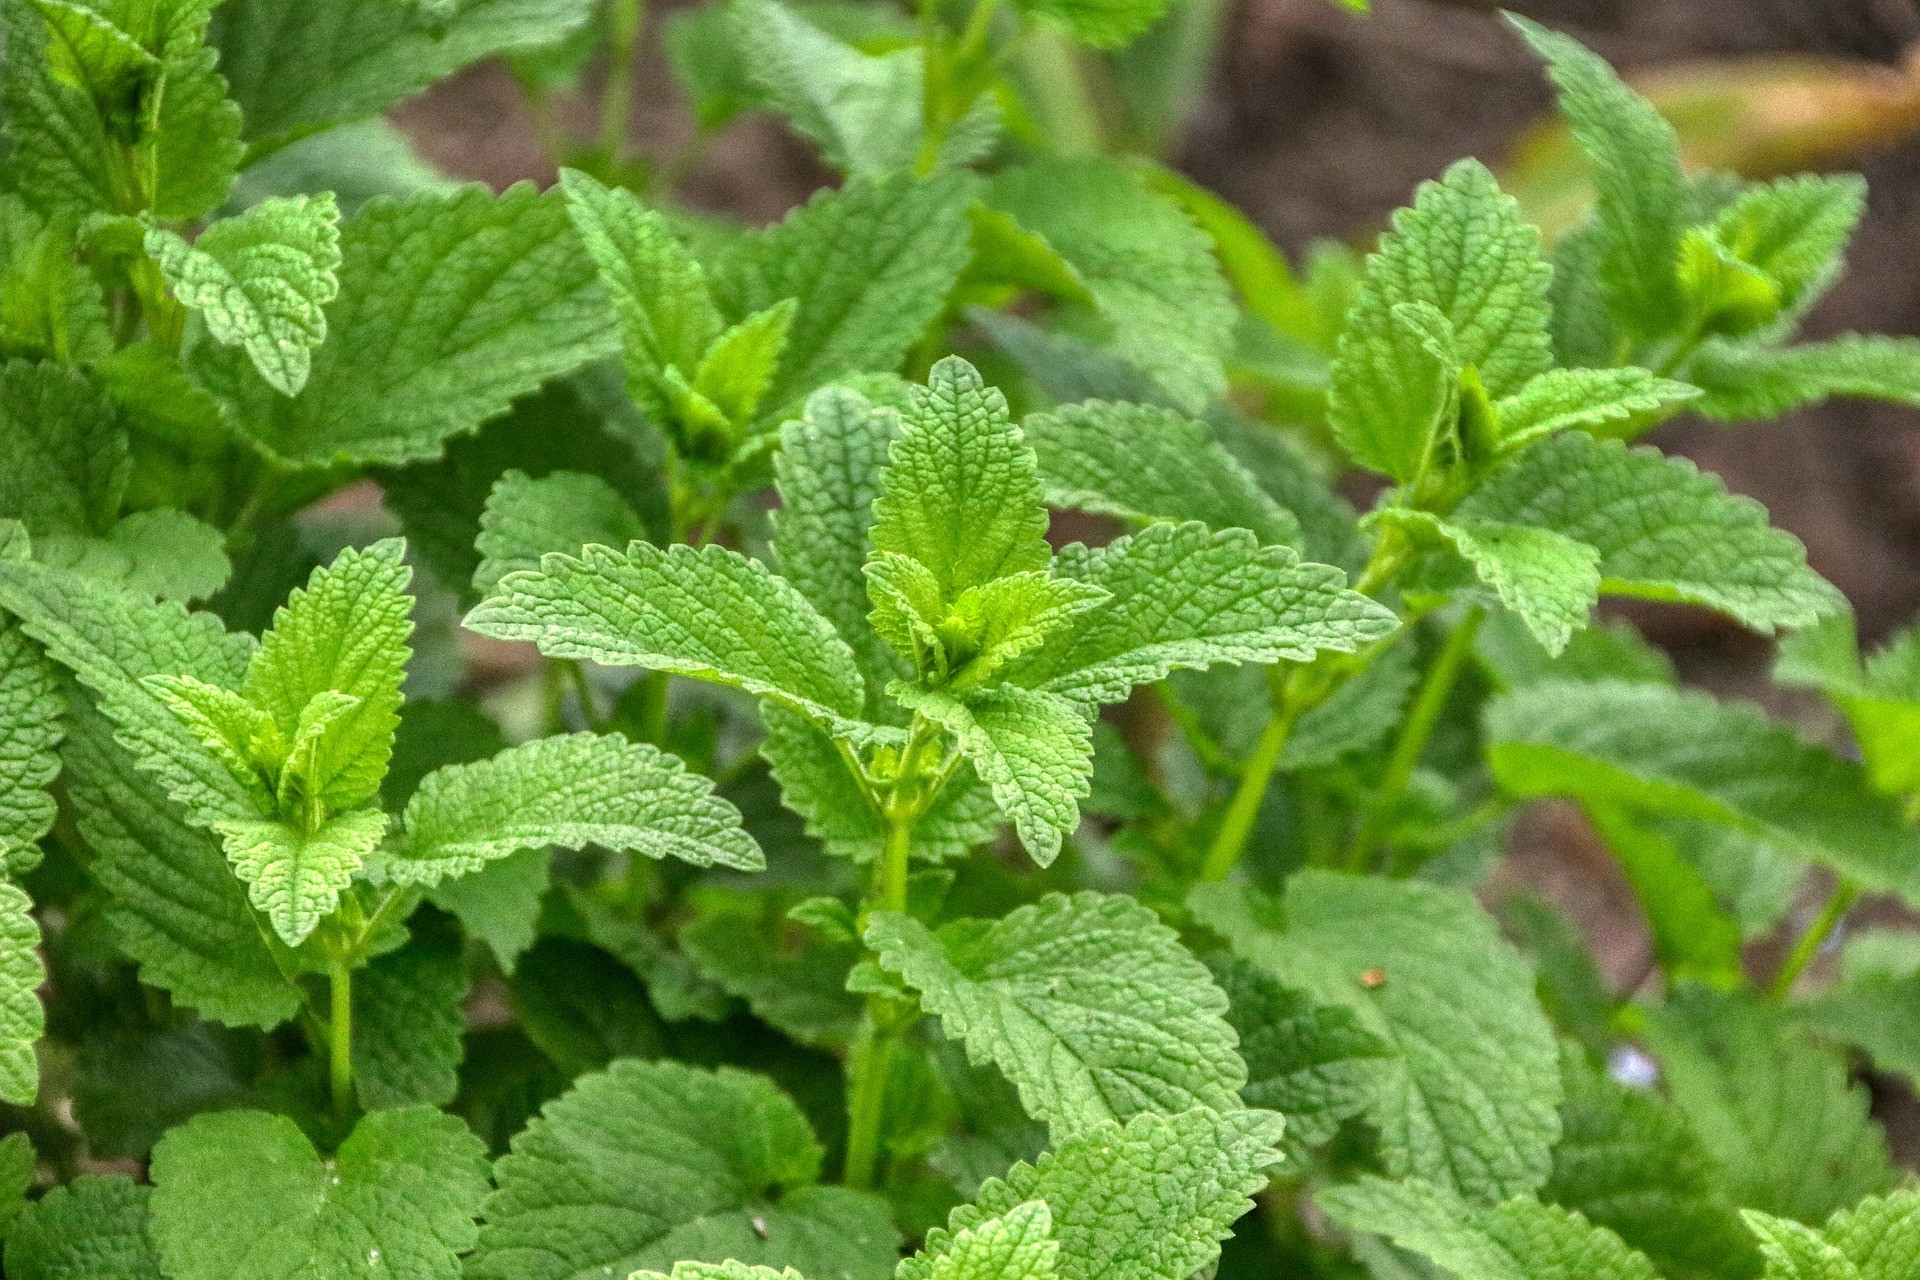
<point>64,460</point>
<point>243,1193</point>
<point>1033,749</point>
<point>1746,381</point>
<point>1776,1110</point>
<point>1607,402</point>
<point>1550,581</point>
<point>1795,230</point>
<point>1359,714</point>
<point>174,905</point>
<point>828,472</point>
<point>1519,1240</point>
<point>671,1162</point>
<point>1182,599</point>
<point>30,733</point>
<point>294,876</point>
<point>1472,1104</point>
<point>261,281</point>
<point>1103,24</point>
<point>1878,1235</point>
<point>1664,529</point>
<point>93,1228</point>
<point>870,264</point>
<point>709,613</point>
<point>1146,1200</point>
<point>1313,1063</point>
<point>568,792</point>
<point>1628,1160</point>
<point>1160,300</point>
<point>1642,193</point>
<point>799,987</point>
<point>1876,1013</point>
<point>408,1024</point>
<point>1692,937</point>
<point>345,632</point>
<point>22,1020</point>
<point>659,292</point>
<point>295,71</point>
<point>1795,1252</point>
<point>862,110</point>
<point>451,304</point>
<point>565,511</point>
<point>961,491</point>
<point>737,370</point>
<point>728,1270</point>
<point>499,905</point>
<point>1018,1245</point>
<point>160,554</point>
<point>1146,464</point>
<point>1667,751</point>
<point>1463,250</point>
<point>1088,1004</point>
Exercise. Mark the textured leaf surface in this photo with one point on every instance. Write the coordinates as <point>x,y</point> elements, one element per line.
<point>568,791</point>
<point>1775,1108</point>
<point>1550,581</point>
<point>1145,464</point>
<point>1880,1235</point>
<point>961,492</point>
<point>1016,1246</point>
<point>1147,1200</point>
<point>261,281</point>
<point>158,554</point>
<point>1087,1003</point>
<point>862,110</point>
<point>798,987</point>
<point>1033,749</point>
<point>1473,1103</point>
<point>243,1193</point>
<point>1463,250</point>
<point>565,511</point>
<point>63,450</point>
<point>1161,300</point>
<point>295,877</point>
<point>1683,753</point>
<point>450,305</point>
<point>668,1163</point>
<point>710,613</point>
<point>1184,598</point>
<point>94,1228</point>
<point>1664,529</point>
<point>22,1020</point>
<point>408,1024</point>
<point>30,732</point>
<point>1605,402</point>
<point>871,265</point>
<point>1519,1240</point>
<point>1747,381</point>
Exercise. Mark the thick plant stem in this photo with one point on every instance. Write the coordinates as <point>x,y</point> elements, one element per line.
<point>1236,825</point>
<point>340,1038</point>
<point>873,1050</point>
<point>1845,894</point>
<point>1415,732</point>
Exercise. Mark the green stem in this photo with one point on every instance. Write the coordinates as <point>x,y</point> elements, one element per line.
<point>1415,732</point>
<point>1845,893</point>
<point>873,1052</point>
<point>1236,825</point>
<point>577,675</point>
<point>624,19</point>
<point>653,709</point>
<point>340,1038</point>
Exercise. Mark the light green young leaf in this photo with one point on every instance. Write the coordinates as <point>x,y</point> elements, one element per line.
<point>93,1228</point>
<point>709,613</point>
<point>1019,1245</point>
<point>64,459</point>
<point>1463,250</point>
<point>1033,749</point>
<point>961,491</point>
<point>862,110</point>
<point>728,1270</point>
<point>1088,1004</point>
<point>243,1193</point>
<point>735,373</point>
<point>1550,581</point>
<point>828,472</point>
<point>173,903</point>
<point>160,554</point>
<point>1795,230</point>
<point>22,1020</point>
<point>1664,529</point>
<point>672,1162</point>
<point>1519,1240</point>
<point>568,791</point>
<point>1746,381</point>
<point>230,728</point>
<point>408,1023</point>
<point>1145,464</point>
<point>451,304</point>
<point>565,511</point>
<point>295,877</point>
<point>1797,1252</point>
<point>1472,1104</point>
<point>30,733</point>
<point>1182,599</point>
<point>1103,24</point>
<point>1880,1235</point>
<point>1606,402</point>
<point>870,264</point>
<point>1881,699</point>
<point>1677,752</point>
<point>261,281</point>
<point>345,632</point>
<point>1146,1200</point>
<point>1642,192</point>
<point>1161,303</point>
<point>1775,1108</point>
<point>295,72</point>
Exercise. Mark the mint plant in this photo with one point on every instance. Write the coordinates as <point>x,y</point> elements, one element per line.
<point>706,822</point>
